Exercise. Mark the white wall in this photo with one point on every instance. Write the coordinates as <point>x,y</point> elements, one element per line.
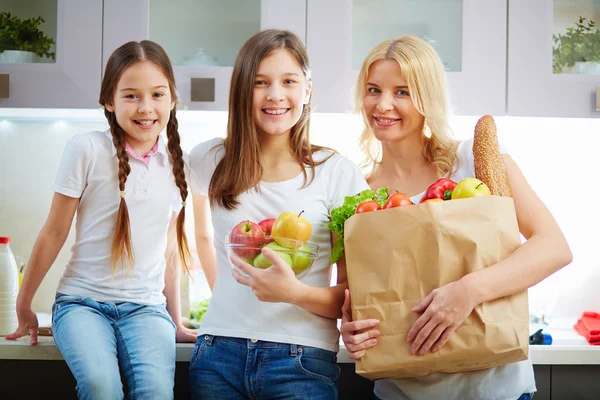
<point>556,155</point>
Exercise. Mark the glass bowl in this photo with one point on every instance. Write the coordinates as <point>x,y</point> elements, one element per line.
<point>300,256</point>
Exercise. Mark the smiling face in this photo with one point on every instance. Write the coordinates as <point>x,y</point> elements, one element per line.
<point>280,93</point>
<point>142,103</point>
<point>387,104</point>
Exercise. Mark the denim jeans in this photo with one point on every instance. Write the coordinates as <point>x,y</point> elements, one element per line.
<point>94,338</point>
<point>224,368</point>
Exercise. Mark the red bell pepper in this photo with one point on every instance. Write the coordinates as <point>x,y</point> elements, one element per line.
<point>441,189</point>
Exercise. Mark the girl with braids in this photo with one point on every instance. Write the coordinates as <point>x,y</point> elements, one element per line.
<point>402,96</point>
<point>267,334</point>
<point>127,188</point>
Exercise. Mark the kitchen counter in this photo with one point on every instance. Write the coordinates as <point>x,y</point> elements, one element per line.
<point>568,348</point>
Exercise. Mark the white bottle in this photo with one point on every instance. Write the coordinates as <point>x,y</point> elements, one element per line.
<point>9,286</point>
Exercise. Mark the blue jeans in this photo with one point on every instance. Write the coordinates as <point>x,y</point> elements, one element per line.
<point>94,338</point>
<point>224,368</point>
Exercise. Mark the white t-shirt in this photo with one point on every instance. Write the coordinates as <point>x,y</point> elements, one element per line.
<point>234,310</point>
<point>88,170</point>
<point>506,382</point>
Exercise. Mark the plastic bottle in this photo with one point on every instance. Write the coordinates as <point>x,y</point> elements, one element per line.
<point>9,286</point>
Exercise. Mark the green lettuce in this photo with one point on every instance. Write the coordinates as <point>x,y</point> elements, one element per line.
<point>340,214</point>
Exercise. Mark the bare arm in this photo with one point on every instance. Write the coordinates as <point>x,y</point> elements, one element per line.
<point>172,290</point>
<point>204,237</point>
<point>326,302</point>
<point>544,252</point>
<point>45,250</point>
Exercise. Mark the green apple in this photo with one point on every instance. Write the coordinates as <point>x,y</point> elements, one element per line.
<point>301,259</point>
<point>470,187</point>
<point>263,262</point>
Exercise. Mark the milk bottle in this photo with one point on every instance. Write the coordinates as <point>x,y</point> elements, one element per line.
<point>9,286</point>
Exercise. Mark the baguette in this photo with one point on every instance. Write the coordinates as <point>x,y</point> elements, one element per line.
<point>489,166</point>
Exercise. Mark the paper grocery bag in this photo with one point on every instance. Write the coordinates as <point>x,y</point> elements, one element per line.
<point>396,257</point>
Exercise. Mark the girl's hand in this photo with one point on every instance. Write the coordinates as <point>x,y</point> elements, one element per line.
<point>275,284</point>
<point>28,324</point>
<point>444,310</point>
<point>359,335</point>
<point>185,335</point>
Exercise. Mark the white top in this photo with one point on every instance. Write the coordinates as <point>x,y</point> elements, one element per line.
<point>506,382</point>
<point>88,170</point>
<point>234,311</point>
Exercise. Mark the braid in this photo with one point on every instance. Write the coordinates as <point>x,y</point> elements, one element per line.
<point>179,174</point>
<point>121,249</point>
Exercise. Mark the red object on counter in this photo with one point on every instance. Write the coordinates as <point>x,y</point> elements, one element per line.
<point>588,326</point>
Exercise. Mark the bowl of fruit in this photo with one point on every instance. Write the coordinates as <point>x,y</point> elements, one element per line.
<point>287,236</point>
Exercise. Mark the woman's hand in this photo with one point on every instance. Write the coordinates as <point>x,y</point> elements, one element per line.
<point>359,335</point>
<point>186,335</point>
<point>275,284</point>
<point>444,310</point>
<point>28,324</point>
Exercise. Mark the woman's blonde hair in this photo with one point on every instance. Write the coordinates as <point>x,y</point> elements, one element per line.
<point>426,79</point>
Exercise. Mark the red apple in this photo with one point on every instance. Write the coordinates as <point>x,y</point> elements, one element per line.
<point>267,227</point>
<point>246,239</point>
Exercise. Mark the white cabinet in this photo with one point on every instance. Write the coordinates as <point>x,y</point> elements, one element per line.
<point>201,37</point>
<point>469,35</point>
<point>534,88</point>
<point>72,80</point>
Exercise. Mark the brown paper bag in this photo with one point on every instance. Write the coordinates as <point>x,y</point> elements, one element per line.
<point>396,257</point>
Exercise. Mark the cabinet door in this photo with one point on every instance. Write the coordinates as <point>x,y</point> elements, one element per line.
<point>469,35</point>
<point>202,37</point>
<point>553,78</point>
<point>70,79</point>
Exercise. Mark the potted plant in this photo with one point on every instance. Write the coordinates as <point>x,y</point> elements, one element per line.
<point>578,48</point>
<point>21,40</point>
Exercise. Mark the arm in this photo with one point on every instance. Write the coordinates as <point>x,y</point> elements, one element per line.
<point>45,250</point>
<point>204,237</point>
<point>172,290</point>
<point>279,284</point>
<point>544,252</point>
<point>326,302</point>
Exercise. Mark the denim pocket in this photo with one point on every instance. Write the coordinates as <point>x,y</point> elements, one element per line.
<point>61,301</point>
<point>318,363</point>
<point>198,350</point>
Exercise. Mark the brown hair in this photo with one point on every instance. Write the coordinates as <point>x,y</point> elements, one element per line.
<point>240,169</point>
<point>121,59</point>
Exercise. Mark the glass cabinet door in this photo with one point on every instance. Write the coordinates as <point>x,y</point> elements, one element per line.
<point>469,36</point>
<point>554,58</point>
<point>50,53</point>
<point>201,37</point>
<point>576,47</point>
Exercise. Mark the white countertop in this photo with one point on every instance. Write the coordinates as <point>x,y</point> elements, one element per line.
<point>568,347</point>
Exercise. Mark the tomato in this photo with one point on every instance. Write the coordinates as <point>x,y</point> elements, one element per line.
<point>367,206</point>
<point>398,200</point>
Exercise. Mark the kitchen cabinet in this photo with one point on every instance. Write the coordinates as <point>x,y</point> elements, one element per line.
<point>535,88</point>
<point>469,35</point>
<point>201,37</point>
<point>72,79</point>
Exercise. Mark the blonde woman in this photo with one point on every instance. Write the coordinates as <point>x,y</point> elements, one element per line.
<point>402,95</point>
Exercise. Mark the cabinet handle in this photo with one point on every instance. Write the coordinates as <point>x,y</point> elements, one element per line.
<point>203,89</point>
<point>4,91</point>
<point>597,98</point>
